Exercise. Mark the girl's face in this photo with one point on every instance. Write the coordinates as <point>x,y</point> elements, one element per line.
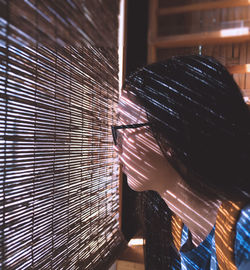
<point>143,162</point>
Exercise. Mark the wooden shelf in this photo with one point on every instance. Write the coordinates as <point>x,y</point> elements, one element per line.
<point>203,38</point>
<point>125,265</point>
<point>239,69</point>
<point>133,254</point>
<point>132,258</point>
<point>203,6</point>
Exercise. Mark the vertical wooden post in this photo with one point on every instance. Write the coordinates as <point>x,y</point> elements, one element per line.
<point>124,44</point>
<point>152,30</point>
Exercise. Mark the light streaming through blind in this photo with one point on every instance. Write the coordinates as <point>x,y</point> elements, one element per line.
<point>58,181</point>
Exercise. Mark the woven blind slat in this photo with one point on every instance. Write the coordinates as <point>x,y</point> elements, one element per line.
<point>58,179</point>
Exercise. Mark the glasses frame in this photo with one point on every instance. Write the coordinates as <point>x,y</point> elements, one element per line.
<point>115,128</point>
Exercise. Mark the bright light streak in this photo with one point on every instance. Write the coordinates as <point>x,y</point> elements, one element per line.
<point>135,242</point>
<point>128,115</point>
<point>126,156</point>
<point>149,165</point>
<point>148,143</point>
<point>188,207</point>
<point>171,194</point>
<point>246,99</point>
<point>248,66</point>
<point>130,145</point>
<point>185,215</point>
<point>232,32</point>
<point>125,101</point>
<point>131,153</point>
<point>131,140</point>
<point>121,42</point>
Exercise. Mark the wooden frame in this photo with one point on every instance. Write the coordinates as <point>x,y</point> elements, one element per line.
<point>199,39</point>
<point>239,69</point>
<point>152,32</point>
<point>203,6</point>
<point>123,78</point>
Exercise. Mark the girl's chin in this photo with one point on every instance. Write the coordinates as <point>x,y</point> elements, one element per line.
<point>135,186</point>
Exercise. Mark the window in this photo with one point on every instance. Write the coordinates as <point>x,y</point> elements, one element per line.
<point>58,181</point>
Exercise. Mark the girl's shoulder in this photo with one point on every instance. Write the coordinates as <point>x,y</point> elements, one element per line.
<point>242,239</point>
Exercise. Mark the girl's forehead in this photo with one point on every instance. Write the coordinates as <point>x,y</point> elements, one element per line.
<point>128,108</point>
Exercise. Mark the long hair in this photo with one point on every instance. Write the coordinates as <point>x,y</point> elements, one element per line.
<point>201,122</point>
<point>155,216</point>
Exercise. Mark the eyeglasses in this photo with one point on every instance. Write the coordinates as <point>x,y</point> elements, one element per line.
<point>115,130</point>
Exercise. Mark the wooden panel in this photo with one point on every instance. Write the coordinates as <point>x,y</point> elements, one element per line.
<point>125,265</point>
<point>203,21</point>
<point>241,81</point>
<point>232,55</point>
<point>165,53</point>
<point>203,6</point>
<point>228,54</point>
<point>175,3</point>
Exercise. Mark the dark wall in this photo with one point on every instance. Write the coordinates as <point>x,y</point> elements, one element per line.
<point>136,56</point>
<point>137,27</point>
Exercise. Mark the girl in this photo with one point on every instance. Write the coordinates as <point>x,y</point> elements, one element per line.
<point>184,137</point>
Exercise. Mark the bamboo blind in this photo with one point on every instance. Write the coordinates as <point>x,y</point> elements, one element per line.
<point>217,28</point>
<point>58,181</point>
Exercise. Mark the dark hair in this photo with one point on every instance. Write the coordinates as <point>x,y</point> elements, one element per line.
<point>200,120</point>
<point>202,125</point>
<point>155,218</point>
